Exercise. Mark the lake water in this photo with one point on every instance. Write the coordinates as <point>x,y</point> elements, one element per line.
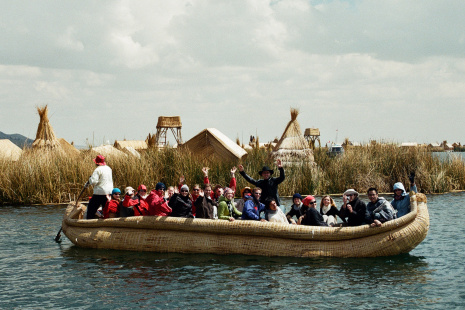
<point>37,273</point>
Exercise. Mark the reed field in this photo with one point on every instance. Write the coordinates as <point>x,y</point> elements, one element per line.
<point>42,177</point>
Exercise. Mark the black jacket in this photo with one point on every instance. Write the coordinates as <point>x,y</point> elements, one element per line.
<point>269,187</point>
<point>313,218</point>
<point>181,206</point>
<point>357,217</point>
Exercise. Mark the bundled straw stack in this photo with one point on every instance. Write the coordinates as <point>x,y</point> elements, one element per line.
<point>45,137</point>
<point>292,148</point>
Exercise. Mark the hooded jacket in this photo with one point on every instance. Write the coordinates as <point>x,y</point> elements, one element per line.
<point>402,205</point>
<point>226,208</point>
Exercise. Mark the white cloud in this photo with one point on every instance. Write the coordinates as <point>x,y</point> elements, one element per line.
<point>392,69</point>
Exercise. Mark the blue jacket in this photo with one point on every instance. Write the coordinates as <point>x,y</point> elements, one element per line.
<point>251,210</point>
<point>403,204</point>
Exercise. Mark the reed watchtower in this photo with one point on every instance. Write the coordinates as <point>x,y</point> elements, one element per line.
<point>165,123</point>
<point>312,135</point>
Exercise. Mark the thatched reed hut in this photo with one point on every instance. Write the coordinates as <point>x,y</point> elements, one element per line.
<point>45,136</point>
<point>212,144</point>
<point>138,145</point>
<point>293,148</point>
<point>68,148</point>
<point>109,151</point>
<point>9,150</point>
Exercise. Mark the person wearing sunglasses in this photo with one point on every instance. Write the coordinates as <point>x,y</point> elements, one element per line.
<point>111,207</point>
<point>353,208</point>
<point>253,207</point>
<point>181,203</point>
<point>311,217</point>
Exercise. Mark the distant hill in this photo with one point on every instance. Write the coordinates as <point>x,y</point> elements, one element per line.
<point>17,139</point>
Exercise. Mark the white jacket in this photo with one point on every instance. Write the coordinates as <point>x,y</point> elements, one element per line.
<point>102,180</point>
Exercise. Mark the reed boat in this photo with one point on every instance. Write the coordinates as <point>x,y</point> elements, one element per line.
<point>181,235</point>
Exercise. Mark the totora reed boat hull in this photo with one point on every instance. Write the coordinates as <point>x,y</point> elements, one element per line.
<point>170,234</point>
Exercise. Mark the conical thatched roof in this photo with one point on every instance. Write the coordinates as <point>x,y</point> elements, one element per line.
<point>45,137</point>
<point>292,147</point>
<point>69,149</point>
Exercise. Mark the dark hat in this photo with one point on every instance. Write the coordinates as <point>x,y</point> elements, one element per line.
<point>160,185</point>
<point>297,195</point>
<point>265,168</point>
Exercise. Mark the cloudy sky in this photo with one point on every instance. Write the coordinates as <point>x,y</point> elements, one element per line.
<point>385,70</point>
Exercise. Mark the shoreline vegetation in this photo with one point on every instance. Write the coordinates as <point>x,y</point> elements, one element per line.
<point>48,177</point>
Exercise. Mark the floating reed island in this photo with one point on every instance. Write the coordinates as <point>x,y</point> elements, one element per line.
<point>54,171</point>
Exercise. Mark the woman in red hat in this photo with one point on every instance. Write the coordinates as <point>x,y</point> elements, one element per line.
<point>102,181</point>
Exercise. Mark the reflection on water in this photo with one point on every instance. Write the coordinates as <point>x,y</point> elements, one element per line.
<point>36,272</point>
<point>237,280</point>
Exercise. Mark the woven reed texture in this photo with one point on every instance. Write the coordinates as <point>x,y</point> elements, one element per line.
<point>167,234</point>
<point>169,122</point>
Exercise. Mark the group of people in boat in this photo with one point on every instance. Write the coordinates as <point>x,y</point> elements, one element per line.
<point>260,203</point>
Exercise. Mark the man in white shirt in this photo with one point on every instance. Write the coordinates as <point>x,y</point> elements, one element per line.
<point>102,182</point>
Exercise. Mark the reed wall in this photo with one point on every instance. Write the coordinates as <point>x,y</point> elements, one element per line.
<point>48,177</point>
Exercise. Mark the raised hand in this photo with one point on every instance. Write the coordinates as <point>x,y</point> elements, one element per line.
<point>205,171</point>
<point>241,168</point>
<point>182,179</point>
<point>278,163</point>
<point>233,171</point>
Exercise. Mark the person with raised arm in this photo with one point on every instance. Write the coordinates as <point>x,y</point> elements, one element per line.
<point>218,189</point>
<point>268,184</point>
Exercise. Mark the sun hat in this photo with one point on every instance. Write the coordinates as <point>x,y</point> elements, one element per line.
<point>100,160</point>
<point>266,168</point>
<point>350,191</point>
<point>244,189</point>
<point>116,191</point>
<point>307,199</point>
<point>160,185</point>
<point>129,190</point>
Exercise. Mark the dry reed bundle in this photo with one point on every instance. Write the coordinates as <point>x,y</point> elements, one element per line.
<point>45,136</point>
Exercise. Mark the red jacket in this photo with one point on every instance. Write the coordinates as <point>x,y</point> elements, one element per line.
<point>157,204</point>
<point>139,204</point>
<point>110,207</point>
